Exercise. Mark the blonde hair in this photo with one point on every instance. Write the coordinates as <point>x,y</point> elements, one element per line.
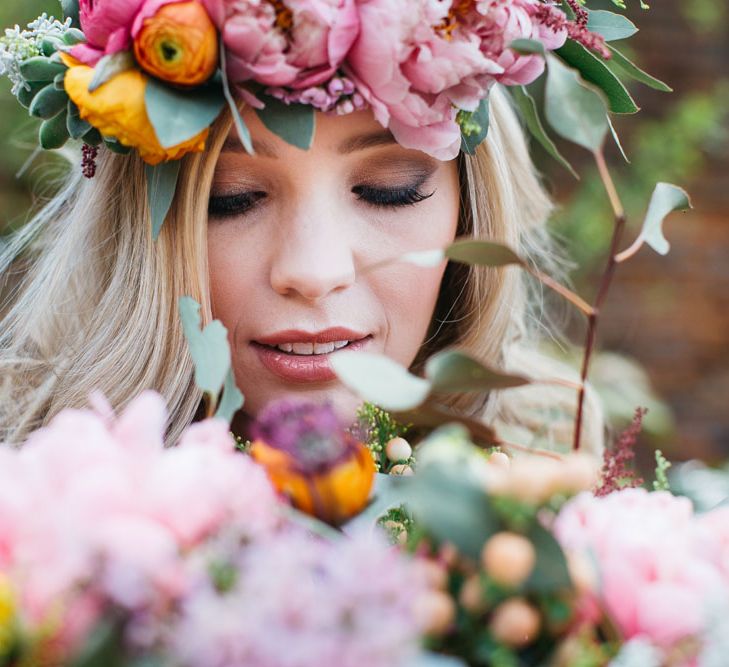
<point>91,299</point>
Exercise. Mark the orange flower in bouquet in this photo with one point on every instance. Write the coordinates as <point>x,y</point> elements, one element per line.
<point>178,44</point>
<point>310,459</point>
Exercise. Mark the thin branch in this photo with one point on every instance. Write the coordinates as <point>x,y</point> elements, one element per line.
<point>629,252</point>
<point>529,450</point>
<point>607,276</point>
<point>568,294</point>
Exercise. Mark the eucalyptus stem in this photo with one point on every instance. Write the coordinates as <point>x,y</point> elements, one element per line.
<point>605,281</point>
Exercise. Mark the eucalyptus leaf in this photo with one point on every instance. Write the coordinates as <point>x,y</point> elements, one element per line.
<point>53,133</point>
<point>244,133</point>
<point>528,110</point>
<point>432,415</point>
<point>482,253</point>
<point>294,123</point>
<point>109,67</point>
<point>609,25</point>
<point>70,10</point>
<point>479,120</point>
<point>50,45</point>
<point>666,198</point>
<point>48,102</point>
<point>379,380</point>
<point>77,127</point>
<point>527,46</point>
<point>457,371</point>
<point>630,69</point>
<point>92,137</point>
<point>387,493</point>
<point>550,573</point>
<point>27,95</point>
<point>209,348</point>
<point>594,70</point>
<point>116,147</point>
<point>102,647</point>
<point>59,81</point>
<point>451,507</point>
<point>73,36</point>
<point>178,116</point>
<point>424,258</point>
<point>40,68</point>
<point>576,111</point>
<point>161,187</point>
<point>232,399</point>
<point>616,139</point>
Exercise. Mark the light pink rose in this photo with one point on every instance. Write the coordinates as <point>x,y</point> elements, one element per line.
<point>654,578</point>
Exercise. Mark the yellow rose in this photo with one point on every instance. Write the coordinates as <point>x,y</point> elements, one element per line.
<point>333,495</point>
<point>117,109</point>
<point>178,44</point>
<point>7,615</point>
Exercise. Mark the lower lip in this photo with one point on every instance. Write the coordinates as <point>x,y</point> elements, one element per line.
<point>302,368</point>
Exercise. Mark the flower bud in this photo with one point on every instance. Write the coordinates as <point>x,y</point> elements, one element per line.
<point>515,623</point>
<point>435,612</point>
<point>471,595</point>
<point>508,558</point>
<point>434,574</point>
<point>312,460</point>
<point>500,460</point>
<point>398,449</point>
<point>402,470</point>
<point>179,44</point>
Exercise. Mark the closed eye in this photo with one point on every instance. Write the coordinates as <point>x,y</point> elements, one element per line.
<point>390,197</point>
<point>225,206</point>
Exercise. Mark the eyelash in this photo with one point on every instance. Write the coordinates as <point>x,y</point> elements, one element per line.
<point>241,203</point>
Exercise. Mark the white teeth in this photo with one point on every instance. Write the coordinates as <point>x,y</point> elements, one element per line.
<point>312,348</point>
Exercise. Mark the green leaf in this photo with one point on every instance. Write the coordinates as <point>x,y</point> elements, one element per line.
<point>92,137</point>
<point>550,573</point>
<point>616,139</point>
<point>70,10</point>
<point>73,36</point>
<point>244,133</point>
<point>294,123</point>
<point>26,95</point>
<point>48,102</point>
<point>40,68</point>
<point>54,133</point>
<point>527,46</point>
<point>103,646</point>
<point>478,124</point>
<point>50,45</point>
<point>209,348</point>
<point>115,146</point>
<point>451,507</point>
<point>109,66</point>
<point>59,81</point>
<point>630,69</point>
<point>77,127</point>
<point>610,25</point>
<point>528,109</point>
<point>380,380</point>
<point>161,187</point>
<point>666,198</point>
<point>594,70</point>
<point>232,399</point>
<point>456,371</point>
<point>576,111</point>
<point>177,115</point>
<point>482,253</point>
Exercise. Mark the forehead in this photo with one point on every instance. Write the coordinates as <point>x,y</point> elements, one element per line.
<point>343,134</point>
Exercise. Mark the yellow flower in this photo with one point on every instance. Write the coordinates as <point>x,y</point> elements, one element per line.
<point>117,109</point>
<point>178,44</point>
<point>7,615</point>
<point>334,495</point>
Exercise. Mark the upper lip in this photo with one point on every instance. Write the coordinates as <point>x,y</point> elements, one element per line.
<point>325,336</point>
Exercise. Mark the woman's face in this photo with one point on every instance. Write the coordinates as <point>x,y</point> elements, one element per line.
<point>289,231</point>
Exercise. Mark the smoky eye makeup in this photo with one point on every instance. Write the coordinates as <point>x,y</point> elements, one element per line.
<point>235,203</point>
<point>394,183</point>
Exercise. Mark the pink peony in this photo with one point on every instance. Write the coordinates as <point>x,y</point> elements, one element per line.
<point>654,577</point>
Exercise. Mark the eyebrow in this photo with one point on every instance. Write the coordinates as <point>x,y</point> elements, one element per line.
<point>357,143</point>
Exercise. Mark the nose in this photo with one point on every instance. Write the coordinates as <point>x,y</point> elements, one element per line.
<point>314,256</point>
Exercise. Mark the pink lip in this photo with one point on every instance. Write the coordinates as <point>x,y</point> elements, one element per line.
<point>301,368</point>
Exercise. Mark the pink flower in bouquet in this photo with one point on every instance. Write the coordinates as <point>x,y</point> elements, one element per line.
<point>654,579</point>
<point>300,601</point>
<point>713,530</point>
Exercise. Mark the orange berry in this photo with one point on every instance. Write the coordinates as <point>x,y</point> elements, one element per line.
<point>515,623</point>
<point>435,612</point>
<point>508,558</point>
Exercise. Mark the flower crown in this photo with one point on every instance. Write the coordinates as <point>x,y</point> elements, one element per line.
<point>153,75</point>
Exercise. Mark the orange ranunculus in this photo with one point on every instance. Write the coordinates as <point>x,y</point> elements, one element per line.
<point>117,109</point>
<point>333,495</point>
<point>179,44</point>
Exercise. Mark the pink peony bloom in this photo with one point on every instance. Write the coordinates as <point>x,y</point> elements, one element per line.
<point>654,576</point>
